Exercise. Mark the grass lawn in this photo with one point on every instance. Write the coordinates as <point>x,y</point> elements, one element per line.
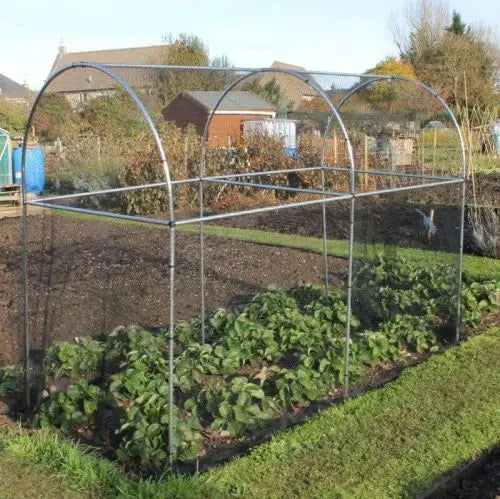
<point>21,479</point>
<point>392,442</point>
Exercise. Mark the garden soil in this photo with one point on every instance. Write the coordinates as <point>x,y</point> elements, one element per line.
<point>87,277</point>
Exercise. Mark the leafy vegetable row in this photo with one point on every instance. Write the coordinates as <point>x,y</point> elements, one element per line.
<point>280,351</point>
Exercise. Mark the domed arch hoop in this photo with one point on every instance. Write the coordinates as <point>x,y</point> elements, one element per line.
<point>200,181</point>
<point>234,179</point>
<point>372,79</point>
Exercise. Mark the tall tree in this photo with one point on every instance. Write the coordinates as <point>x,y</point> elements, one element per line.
<point>271,92</point>
<point>189,50</point>
<point>445,55</point>
<point>390,95</point>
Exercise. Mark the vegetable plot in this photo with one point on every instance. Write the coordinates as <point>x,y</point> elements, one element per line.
<point>279,353</point>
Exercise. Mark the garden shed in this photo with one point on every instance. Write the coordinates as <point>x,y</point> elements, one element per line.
<point>195,108</point>
<point>211,295</point>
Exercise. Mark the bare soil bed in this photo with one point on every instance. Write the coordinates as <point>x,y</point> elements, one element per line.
<point>87,277</point>
<point>376,221</point>
<point>481,480</point>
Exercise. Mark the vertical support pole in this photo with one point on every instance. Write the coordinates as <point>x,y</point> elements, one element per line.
<point>423,151</point>
<point>323,206</point>
<point>460,264</point>
<point>171,345</point>
<point>347,361</point>
<point>366,161</point>
<point>24,242</point>
<point>202,266</point>
<point>434,143</point>
<point>325,240</point>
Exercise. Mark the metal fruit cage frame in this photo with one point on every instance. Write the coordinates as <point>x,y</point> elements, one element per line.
<point>333,93</point>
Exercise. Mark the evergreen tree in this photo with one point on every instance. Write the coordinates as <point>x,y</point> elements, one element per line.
<point>457,26</point>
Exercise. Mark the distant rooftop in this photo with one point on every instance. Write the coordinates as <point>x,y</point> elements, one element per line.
<point>294,89</point>
<point>87,79</point>
<point>233,101</point>
<point>11,89</point>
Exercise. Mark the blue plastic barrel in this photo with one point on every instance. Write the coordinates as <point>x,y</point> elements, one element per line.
<point>35,168</point>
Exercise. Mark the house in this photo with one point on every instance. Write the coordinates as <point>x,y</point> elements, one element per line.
<point>82,84</point>
<point>14,92</point>
<point>194,108</point>
<point>296,91</point>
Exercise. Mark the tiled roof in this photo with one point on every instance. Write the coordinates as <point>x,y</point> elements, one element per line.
<point>12,89</point>
<point>293,88</point>
<point>233,101</point>
<point>87,79</point>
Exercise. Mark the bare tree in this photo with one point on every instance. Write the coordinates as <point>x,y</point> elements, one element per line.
<point>419,27</point>
<point>455,59</point>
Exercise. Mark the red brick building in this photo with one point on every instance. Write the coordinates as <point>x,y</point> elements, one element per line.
<point>194,108</point>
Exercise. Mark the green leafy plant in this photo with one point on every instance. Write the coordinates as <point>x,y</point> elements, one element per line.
<point>75,406</point>
<point>299,385</point>
<point>9,380</point>
<point>73,359</point>
<point>252,341</point>
<point>241,406</point>
<point>333,366</point>
<point>197,361</point>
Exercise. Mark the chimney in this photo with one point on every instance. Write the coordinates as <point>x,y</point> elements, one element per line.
<point>62,48</point>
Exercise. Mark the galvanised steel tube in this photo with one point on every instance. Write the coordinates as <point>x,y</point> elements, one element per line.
<point>99,213</point>
<point>171,346</point>
<point>248,174</point>
<point>391,174</point>
<point>232,214</point>
<point>347,360</point>
<point>77,195</point>
<point>460,262</point>
<point>276,187</point>
<point>234,70</point>
<point>323,207</point>
<point>24,269</point>
<point>409,188</point>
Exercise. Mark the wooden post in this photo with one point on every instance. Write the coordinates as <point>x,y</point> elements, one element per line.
<point>423,153</point>
<point>431,217</point>
<point>434,152</point>
<point>98,150</point>
<point>366,162</point>
<point>334,147</point>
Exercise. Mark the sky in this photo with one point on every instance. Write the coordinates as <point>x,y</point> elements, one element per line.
<point>332,35</point>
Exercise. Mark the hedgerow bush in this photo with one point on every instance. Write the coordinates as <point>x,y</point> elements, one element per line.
<point>256,153</point>
<point>281,351</point>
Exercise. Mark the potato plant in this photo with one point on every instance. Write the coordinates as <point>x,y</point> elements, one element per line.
<point>284,349</point>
